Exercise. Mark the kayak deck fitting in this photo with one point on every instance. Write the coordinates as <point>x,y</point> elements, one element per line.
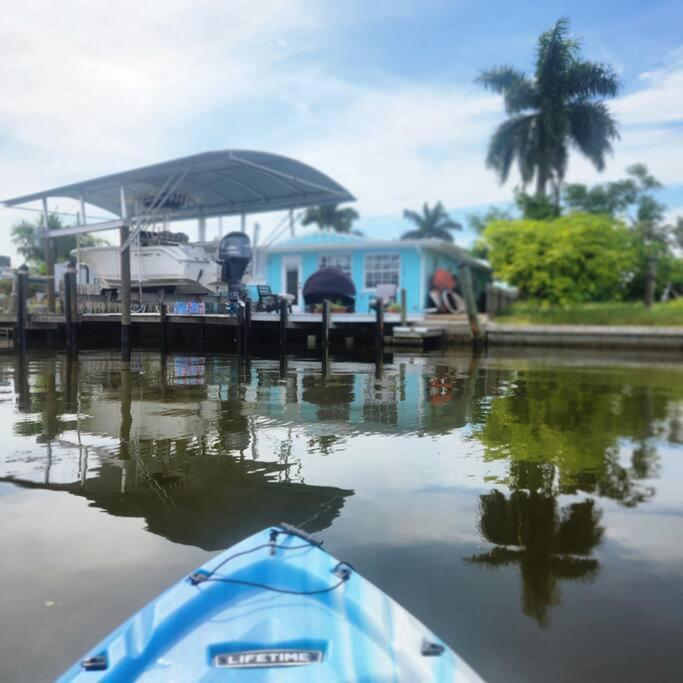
<point>275,607</point>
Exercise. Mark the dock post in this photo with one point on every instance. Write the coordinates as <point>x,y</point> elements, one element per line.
<point>404,307</point>
<point>325,331</point>
<point>283,328</point>
<point>247,325</point>
<point>21,294</point>
<point>163,328</point>
<point>202,334</point>
<point>471,304</point>
<point>239,332</point>
<point>75,316</point>
<point>379,326</point>
<point>49,260</point>
<point>124,233</point>
<point>68,331</point>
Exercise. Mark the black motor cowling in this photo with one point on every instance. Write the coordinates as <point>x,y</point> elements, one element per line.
<point>234,251</point>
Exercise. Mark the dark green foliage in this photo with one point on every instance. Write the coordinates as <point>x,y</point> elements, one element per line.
<point>330,216</point>
<point>28,238</point>
<point>432,223</point>
<point>633,199</point>
<point>558,107</point>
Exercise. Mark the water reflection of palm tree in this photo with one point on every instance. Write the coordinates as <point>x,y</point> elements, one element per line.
<point>547,542</point>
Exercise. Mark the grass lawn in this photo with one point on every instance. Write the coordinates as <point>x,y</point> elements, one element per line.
<point>607,313</point>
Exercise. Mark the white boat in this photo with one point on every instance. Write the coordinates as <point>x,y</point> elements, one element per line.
<point>162,264</point>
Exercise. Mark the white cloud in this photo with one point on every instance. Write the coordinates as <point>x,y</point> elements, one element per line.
<point>658,97</point>
<point>90,88</point>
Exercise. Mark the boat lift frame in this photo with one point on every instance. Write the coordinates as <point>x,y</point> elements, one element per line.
<point>210,184</point>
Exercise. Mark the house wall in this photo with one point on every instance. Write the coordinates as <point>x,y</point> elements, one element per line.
<point>409,275</point>
<point>480,276</point>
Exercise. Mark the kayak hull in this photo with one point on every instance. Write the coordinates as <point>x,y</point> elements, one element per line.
<point>272,610</point>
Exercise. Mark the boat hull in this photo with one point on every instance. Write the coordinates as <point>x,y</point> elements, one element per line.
<point>181,267</point>
<point>258,613</point>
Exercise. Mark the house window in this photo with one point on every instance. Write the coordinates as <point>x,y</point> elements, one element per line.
<point>381,269</point>
<point>340,261</point>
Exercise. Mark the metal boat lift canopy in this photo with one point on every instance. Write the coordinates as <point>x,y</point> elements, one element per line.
<point>219,183</point>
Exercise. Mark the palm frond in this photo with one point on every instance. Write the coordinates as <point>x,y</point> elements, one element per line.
<point>592,129</point>
<point>556,52</point>
<point>441,234</point>
<point>511,139</point>
<point>591,79</point>
<point>413,216</point>
<point>412,235</point>
<point>518,91</point>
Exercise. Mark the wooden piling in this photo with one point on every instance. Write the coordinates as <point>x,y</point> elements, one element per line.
<point>75,316</point>
<point>21,294</point>
<point>379,326</point>
<point>48,255</point>
<point>404,307</point>
<point>283,328</point>
<point>68,311</point>
<point>124,232</point>
<point>202,335</point>
<point>247,326</point>
<point>471,304</point>
<point>325,329</point>
<point>239,332</point>
<point>163,329</point>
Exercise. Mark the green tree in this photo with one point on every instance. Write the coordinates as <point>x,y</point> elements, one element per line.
<point>330,216</point>
<point>560,105</point>
<point>30,243</point>
<point>579,257</point>
<point>633,199</point>
<point>432,223</point>
<point>477,222</point>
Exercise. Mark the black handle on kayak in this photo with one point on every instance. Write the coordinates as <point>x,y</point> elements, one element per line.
<point>293,531</point>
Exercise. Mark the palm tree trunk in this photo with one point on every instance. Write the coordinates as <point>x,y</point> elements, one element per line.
<point>541,181</point>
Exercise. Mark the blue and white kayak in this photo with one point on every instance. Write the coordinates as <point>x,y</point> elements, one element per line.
<point>275,607</point>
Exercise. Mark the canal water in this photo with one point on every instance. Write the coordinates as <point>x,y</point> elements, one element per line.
<point>528,508</point>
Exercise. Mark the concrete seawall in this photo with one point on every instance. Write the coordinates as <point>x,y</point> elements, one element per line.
<point>457,332</point>
<point>593,336</point>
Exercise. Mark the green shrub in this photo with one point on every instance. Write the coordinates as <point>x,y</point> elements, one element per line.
<point>578,257</point>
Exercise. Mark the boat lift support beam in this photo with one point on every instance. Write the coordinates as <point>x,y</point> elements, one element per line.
<point>206,185</point>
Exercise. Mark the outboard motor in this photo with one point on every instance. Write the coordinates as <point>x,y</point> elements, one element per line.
<point>234,252</point>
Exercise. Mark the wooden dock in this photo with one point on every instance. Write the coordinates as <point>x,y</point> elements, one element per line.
<point>276,331</point>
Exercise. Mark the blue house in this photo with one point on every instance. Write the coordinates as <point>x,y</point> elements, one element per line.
<point>408,264</point>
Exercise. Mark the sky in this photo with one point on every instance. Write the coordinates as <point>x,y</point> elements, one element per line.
<point>378,95</point>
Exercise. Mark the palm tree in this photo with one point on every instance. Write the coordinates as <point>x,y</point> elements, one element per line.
<point>332,217</point>
<point>559,105</point>
<point>431,224</point>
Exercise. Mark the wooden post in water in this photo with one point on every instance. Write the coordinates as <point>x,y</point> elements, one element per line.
<point>283,328</point>
<point>404,307</point>
<point>247,325</point>
<point>75,316</point>
<point>21,294</point>
<point>379,326</point>
<point>67,311</point>
<point>49,260</point>
<point>202,334</point>
<point>325,329</point>
<point>471,304</point>
<point>239,332</point>
<point>163,328</point>
<point>124,233</point>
